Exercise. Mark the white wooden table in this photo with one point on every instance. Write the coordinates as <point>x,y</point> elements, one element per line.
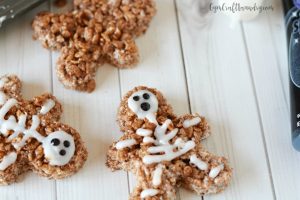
<point>236,77</point>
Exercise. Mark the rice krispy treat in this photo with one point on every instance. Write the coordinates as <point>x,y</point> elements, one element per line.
<point>94,32</point>
<point>164,151</point>
<point>32,138</point>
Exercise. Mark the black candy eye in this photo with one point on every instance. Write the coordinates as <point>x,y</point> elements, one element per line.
<point>55,142</point>
<point>62,152</point>
<point>66,143</point>
<point>146,96</point>
<point>136,98</point>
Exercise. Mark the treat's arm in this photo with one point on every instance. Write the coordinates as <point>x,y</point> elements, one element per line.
<point>194,126</point>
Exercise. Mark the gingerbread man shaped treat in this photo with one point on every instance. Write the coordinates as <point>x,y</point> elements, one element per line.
<point>94,32</point>
<point>32,138</point>
<point>164,151</point>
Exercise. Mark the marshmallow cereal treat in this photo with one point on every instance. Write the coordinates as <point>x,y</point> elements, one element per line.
<point>94,32</point>
<point>33,139</point>
<point>164,151</point>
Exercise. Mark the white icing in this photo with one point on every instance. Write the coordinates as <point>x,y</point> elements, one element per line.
<point>162,145</point>
<point>125,143</point>
<point>8,160</point>
<point>179,143</point>
<point>148,193</point>
<point>49,104</point>
<point>28,133</point>
<point>148,140</point>
<point>22,121</point>
<point>135,106</point>
<point>214,172</point>
<point>52,153</point>
<point>191,122</point>
<point>165,150</point>
<point>198,162</point>
<point>168,151</point>
<point>144,132</point>
<point>160,132</point>
<point>156,180</point>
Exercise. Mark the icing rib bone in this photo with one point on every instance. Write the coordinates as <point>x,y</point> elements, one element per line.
<point>162,145</point>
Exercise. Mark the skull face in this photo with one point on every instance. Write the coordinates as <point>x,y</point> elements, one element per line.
<point>59,147</point>
<point>144,104</point>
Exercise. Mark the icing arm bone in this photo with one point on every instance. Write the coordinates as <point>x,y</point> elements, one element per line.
<point>33,138</point>
<point>193,126</point>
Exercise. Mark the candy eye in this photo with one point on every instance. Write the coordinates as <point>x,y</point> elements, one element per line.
<point>136,98</point>
<point>66,143</point>
<point>55,142</point>
<point>62,152</point>
<point>146,96</point>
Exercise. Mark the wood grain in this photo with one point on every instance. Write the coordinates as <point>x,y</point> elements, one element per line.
<point>270,75</point>
<point>236,77</point>
<point>220,88</point>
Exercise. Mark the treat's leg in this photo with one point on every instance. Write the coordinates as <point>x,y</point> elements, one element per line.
<point>10,87</point>
<point>11,165</point>
<point>76,68</point>
<point>193,126</point>
<point>149,189</point>
<point>53,30</point>
<point>206,173</point>
<point>122,53</point>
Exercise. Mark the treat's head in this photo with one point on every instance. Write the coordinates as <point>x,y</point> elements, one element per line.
<point>144,104</point>
<point>59,147</point>
<point>140,105</point>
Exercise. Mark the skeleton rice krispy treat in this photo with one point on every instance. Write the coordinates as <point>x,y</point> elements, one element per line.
<point>94,32</point>
<point>32,138</point>
<point>164,151</point>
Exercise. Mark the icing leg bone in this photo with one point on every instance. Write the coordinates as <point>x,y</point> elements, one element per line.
<point>33,138</point>
<point>163,150</point>
<point>153,183</point>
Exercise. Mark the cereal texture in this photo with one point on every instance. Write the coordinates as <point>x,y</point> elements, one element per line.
<point>94,32</point>
<point>32,138</point>
<point>164,151</point>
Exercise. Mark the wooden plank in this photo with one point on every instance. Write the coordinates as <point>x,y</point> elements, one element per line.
<point>161,61</point>
<point>268,58</point>
<point>20,55</point>
<point>220,88</point>
<point>94,115</point>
